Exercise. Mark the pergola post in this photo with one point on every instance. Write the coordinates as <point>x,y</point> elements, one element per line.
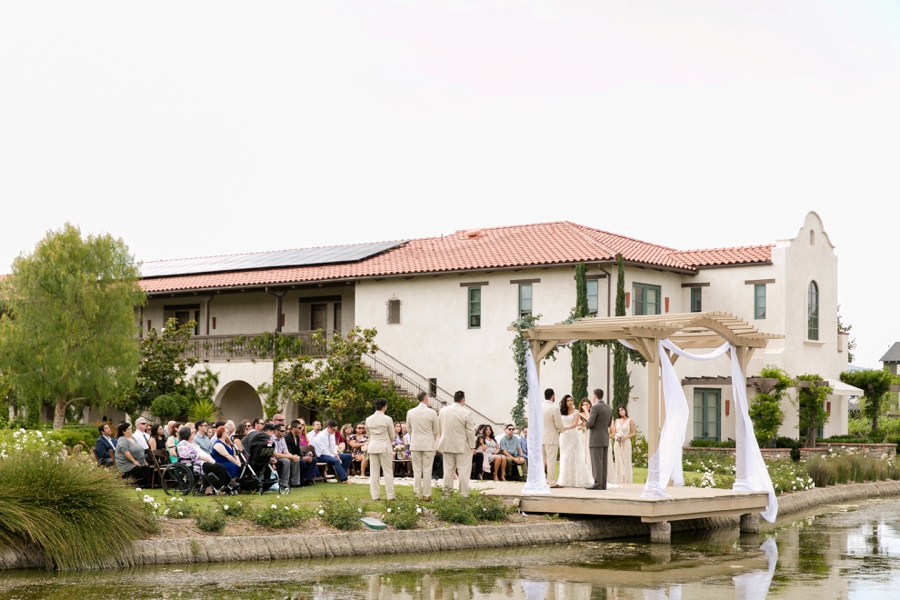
<point>653,425</point>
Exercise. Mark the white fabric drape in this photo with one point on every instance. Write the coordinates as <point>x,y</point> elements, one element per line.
<point>666,465</point>
<point>751,472</point>
<point>537,480</point>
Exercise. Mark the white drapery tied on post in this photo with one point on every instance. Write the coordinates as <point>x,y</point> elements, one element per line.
<point>751,471</point>
<point>537,480</point>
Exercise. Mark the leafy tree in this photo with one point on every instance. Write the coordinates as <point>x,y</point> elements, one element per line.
<point>765,409</point>
<point>340,385</point>
<point>621,378</point>
<point>163,367</point>
<point>170,407</point>
<point>580,348</point>
<point>68,333</point>
<point>811,401</point>
<point>875,384</point>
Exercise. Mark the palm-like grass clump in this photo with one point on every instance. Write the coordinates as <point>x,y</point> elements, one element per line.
<point>75,515</point>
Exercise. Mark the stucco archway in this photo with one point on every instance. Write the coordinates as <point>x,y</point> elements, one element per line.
<point>237,400</point>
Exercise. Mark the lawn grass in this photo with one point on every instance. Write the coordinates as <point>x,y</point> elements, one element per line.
<point>308,497</point>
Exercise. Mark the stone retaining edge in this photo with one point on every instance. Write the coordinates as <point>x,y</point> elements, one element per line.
<point>368,543</point>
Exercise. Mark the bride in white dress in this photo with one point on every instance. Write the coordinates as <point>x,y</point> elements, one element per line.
<point>573,471</point>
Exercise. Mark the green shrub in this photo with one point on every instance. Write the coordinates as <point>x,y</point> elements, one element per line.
<point>280,515</point>
<point>210,519</point>
<point>402,514</point>
<point>789,476</point>
<point>491,508</point>
<point>71,435</point>
<point>75,513</point>
<point>341,514</point>
<point>170,406</point>
<point>177,507</point>
<point>453,508</point>
<point>203,409</point>
<point>639,449</point>
<point>820,471</point>
<point>786,442</point>
<point>231,507</point>
<point>698,443</point>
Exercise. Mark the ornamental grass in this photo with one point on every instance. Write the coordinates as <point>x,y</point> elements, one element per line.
<point>74,514</point>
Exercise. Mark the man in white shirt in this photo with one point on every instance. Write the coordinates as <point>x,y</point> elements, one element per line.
<point>312,433</point>
<point>326,451</point>
<point>140,435</point>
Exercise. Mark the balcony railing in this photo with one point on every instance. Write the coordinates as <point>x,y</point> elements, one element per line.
<point>251,346</point>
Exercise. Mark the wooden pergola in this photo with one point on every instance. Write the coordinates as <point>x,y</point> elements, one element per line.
<point>688,331</point>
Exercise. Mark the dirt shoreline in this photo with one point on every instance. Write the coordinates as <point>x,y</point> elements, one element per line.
<point>524,531</point>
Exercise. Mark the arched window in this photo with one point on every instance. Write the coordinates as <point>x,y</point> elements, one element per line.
<point>812,311</point>
<point>812,237</point>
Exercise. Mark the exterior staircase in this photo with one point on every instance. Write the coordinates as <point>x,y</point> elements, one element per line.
<point>391,372</point>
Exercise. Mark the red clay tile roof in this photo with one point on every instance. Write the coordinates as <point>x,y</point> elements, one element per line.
<point>725,256</point>
<point>558,242</point>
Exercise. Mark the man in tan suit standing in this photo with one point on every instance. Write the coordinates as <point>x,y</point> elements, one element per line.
<point>381,450</point>
<point>553,426</point>
<point>424,430</point>
<point>457,442</point>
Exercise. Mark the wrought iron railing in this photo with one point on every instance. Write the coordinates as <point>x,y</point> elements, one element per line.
<point>410,382</point>
<point>252,346</point>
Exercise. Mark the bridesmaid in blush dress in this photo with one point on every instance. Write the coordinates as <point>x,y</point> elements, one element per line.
<point>624,433</point>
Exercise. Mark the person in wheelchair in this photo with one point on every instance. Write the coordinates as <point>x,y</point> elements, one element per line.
<point>216,475</point>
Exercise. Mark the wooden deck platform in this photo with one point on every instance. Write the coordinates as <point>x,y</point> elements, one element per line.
<point>626,501</point>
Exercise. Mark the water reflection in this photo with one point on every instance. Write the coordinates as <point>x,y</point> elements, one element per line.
<point>842,553</point>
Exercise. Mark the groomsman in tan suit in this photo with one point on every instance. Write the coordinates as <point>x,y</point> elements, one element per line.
<point>381,450</point>
<point>553,426</point>
<point>457,442</point>
<point>424,431</point>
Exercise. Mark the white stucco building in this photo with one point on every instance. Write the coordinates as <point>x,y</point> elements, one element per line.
<point>442,307</point>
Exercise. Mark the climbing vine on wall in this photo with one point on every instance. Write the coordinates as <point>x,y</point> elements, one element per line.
<point>519,347</point>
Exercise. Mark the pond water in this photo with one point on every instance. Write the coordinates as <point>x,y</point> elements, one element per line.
<point>839,552</point>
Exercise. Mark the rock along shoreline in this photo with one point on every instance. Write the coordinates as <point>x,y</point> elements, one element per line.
<point>209,549</point>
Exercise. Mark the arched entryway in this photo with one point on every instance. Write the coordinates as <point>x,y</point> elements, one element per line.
<point>237,400</point>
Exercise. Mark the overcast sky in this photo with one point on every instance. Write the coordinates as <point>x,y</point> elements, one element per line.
<point>199,128</point>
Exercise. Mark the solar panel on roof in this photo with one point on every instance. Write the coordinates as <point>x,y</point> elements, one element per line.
<point>265,260</point>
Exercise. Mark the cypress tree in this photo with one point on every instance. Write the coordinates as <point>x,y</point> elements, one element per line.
<point>579,348</point>
<point>621,378</point>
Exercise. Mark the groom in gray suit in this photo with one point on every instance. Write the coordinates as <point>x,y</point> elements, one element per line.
<point>598,422</point>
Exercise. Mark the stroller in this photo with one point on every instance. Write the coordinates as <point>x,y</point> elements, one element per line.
<point>257,473</point>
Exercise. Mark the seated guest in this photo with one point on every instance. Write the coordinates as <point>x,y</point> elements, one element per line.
<point>292,469</point>
<point>201,436</point>
<point>237,439</point>
<point>359,444</point>
<point>188,452</point>
<point>157,440</point>
<point>523,443</point>
<point>130,459</point>
<point>223,453</point>
<point>296,446</point>
<point>316,428</point>
<point>105,446</point>
<point>255,428</point>
<point>398,435</point>
<point>326,451</point>
<point>510,449</point>
<point>340,438</point>
<point>172,440</point>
